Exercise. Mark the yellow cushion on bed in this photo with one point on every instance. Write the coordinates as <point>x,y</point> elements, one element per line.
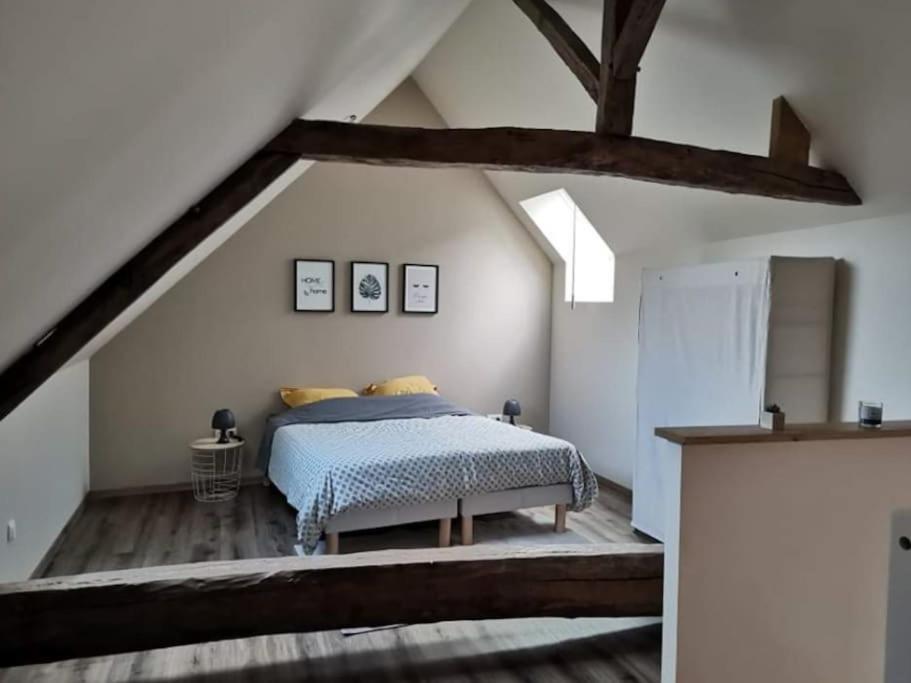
<point>411,384</point>
<point>294,397</point>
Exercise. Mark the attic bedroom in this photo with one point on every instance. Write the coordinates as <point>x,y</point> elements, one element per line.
<point>454,340</point>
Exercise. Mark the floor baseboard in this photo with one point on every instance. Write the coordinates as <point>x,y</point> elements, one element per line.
<point>159,488</point>
<point>45,560</point>
<point>611,485</point>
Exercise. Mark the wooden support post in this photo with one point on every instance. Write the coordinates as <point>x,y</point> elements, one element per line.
<point>560,518</point>
<point>789,140</point>
<point>616,95</point>
<point>467,530</point>
<point>332,544</point>
<point>140,609</point>
<point>445,533</point>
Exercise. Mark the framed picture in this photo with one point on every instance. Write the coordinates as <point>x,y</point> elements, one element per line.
<point>420,288</point>
<point>314,285</point>
<point>369,287</point>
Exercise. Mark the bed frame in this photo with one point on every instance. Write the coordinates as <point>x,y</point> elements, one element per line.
<point>444,512</point>
<point>559,495</point>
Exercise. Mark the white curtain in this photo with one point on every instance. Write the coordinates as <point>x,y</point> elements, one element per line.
<point>702,358</point>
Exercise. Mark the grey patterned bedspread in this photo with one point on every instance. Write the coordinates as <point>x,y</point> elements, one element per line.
<point>326,468</point>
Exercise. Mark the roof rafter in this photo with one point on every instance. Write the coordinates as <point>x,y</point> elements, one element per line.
<point>113,296</point>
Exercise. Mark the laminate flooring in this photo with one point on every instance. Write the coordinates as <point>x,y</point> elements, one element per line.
<point>171,528</point>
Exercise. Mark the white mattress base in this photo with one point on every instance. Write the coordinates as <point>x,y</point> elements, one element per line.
<point>515,499</point>
<point>481,504</point>
<point>366,518</point>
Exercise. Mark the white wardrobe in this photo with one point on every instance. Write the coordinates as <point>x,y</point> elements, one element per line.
<point>718,342</point>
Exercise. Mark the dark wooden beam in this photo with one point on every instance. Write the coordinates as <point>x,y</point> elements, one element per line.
<point>130,281</point>
<point>569,47</point>
<point>561,151</point>
<point>626,29</point>
<point>790,140</point>
<point>141,609</point>
<point>616,96</point>
<point>638,26</point>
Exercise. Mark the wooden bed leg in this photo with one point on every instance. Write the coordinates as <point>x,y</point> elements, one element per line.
<point>560,518</point>
<point>331,544</point>
<point>467,530</point>
<point>445,539</point>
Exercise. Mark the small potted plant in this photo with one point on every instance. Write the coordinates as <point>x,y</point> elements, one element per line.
<point>772,418</point>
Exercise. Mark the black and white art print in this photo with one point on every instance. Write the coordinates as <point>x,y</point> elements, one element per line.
<point>420,288</point>
<point>314,285</point>
<point>369,287</point>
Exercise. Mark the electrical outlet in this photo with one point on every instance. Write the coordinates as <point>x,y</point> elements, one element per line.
<point>11,531</point>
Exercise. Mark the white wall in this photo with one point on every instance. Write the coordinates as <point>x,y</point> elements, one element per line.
<point>44,468</point>
<point>593,367</point>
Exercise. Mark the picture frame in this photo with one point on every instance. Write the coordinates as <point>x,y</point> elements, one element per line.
<point>420,288</point>
<point>314,285</point>
<point>369,287</point>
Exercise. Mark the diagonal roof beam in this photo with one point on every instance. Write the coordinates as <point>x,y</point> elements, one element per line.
<point>130,281</point>
<point>627,28</point>
<point>569,47</point>
<point>563,151</point>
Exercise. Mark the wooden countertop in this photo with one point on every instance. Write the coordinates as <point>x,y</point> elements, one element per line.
<point>700,436</point>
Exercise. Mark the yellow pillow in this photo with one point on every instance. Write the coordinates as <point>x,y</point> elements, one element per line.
<point>412,384</point>
<point>294,397</point>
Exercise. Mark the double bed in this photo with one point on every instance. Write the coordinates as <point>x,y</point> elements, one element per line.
<point>357,463</point>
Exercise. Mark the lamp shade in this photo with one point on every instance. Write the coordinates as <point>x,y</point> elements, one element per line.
<point>512,409</point>
<point>223,420</point>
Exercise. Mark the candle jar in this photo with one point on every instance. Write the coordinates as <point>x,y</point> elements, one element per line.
<point>870,414</point>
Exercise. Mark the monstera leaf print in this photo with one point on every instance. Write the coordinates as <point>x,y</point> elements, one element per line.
<point>370,288</point>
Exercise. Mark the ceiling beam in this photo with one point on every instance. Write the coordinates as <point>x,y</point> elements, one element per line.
<point>561,151</point>
<point>141,609</point>
<point>789,140</point>
<point>568,46</point>
<point>63,341</point>
<point>627,26</point>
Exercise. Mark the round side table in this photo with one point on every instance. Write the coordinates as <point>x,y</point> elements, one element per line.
<point>216,468</point>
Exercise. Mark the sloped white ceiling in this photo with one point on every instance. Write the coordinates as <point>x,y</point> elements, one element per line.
<point>117,115</point>
<point>708,78</point>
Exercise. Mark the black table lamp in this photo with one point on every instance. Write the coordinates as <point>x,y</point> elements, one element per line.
<point>512,409</point>
<point>223,420</point>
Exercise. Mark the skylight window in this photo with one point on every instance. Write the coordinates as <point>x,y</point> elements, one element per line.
<point>589,261</point>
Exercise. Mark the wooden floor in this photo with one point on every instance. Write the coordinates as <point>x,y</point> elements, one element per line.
<point>170,528</point>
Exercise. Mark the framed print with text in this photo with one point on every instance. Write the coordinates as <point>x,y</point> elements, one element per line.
<point>314,285</point>
<point>420,288</point>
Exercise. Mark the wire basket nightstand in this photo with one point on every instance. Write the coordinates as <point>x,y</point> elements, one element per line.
<point>216,468</point>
